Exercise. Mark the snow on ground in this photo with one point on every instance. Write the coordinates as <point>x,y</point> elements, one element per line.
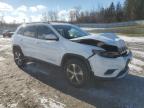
<point>55,104</point>
<point>135,68</point>
<point>8,40</point>
<point>4,47</point>
<point>14,105</point>
<point>138,53</point>
<point>132,39</point>
<point>51,103</point>
<point>2,59</point>
<point>1,106</point>
<point>137,62</point>
<point>45,101</point>
<point>126,38</point>
<point>5,43</point>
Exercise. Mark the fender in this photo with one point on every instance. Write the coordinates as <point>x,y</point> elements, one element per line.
<point>16,47</point>
<point>68,56</point>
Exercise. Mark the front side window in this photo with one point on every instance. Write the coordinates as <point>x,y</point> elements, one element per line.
<point>43,31</point>
<point>70,32</point>
<point>30,31</point>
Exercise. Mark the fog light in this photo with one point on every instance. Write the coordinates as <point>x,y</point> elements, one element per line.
<point>109,72</point>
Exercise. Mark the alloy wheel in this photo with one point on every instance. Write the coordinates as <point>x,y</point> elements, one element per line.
<point>18,58</point>
<point>75,74</point>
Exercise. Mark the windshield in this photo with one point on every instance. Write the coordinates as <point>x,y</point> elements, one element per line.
<point>70,32</point>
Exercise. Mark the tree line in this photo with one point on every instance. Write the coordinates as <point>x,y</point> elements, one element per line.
<point>131,10</point>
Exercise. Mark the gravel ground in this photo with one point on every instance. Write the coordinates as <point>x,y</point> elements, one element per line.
<point>42,85</point>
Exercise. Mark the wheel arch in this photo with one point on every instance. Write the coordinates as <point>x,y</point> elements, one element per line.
<point>16,47</point>
<point>69,56</point>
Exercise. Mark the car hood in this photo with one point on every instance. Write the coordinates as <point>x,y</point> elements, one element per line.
<point>106,38</point>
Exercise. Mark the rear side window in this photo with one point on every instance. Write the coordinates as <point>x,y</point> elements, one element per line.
<point>44,30</point>
<point>30,31</point>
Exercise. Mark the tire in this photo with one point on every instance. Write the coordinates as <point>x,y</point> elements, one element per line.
<point>19,58</point>
<point>77,72</point>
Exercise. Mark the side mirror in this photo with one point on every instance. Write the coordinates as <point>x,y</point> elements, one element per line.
<point>50,37</point>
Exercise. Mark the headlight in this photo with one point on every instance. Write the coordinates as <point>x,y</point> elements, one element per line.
<point>100,44</point>
<point>109,54</point>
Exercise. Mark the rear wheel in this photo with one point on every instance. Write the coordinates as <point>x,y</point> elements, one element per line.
<point>19,58</point>
<point>77,72</point>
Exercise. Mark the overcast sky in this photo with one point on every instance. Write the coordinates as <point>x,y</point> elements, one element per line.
<point>31,10</point>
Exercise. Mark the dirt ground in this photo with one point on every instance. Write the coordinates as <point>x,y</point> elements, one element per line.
<point>42,85</point>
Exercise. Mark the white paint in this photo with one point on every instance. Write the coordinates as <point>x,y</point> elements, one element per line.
<point>53,52</point>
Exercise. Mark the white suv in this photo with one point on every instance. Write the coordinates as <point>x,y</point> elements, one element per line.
<point>80,54</point>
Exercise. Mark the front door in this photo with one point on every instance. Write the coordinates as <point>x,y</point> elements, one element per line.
<point>49,50</point>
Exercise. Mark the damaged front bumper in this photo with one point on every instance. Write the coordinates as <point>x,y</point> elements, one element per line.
<point>110,67</point>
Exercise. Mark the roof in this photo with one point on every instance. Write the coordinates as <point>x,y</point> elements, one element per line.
<point>53,23</point>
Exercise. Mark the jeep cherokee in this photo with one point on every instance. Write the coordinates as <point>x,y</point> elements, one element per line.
<point>79,53</point>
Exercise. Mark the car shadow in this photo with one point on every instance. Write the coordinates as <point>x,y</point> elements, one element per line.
<point>124,93</point>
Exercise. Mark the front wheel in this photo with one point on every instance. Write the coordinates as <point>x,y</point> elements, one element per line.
<point>77,72</point>
<point>19,58</point>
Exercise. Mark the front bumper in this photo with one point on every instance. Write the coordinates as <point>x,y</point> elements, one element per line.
<point>110,67</point>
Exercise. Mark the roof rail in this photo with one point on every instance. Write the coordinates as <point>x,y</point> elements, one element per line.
<point>48,22</point>
<point>36,22</point>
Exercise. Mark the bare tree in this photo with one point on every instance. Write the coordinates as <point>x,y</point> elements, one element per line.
<point>72,15</point>
<point>2,22</point>
<point>77,12</point>
<point>45,17</point>
<point>53,15</point>
<point>50,16</point>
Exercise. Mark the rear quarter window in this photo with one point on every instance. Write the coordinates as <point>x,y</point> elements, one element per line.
<point>20,31</point>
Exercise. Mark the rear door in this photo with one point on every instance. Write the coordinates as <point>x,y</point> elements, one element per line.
<point>28,41</point>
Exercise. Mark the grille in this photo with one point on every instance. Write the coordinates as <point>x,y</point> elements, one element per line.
<point>123,50</point>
